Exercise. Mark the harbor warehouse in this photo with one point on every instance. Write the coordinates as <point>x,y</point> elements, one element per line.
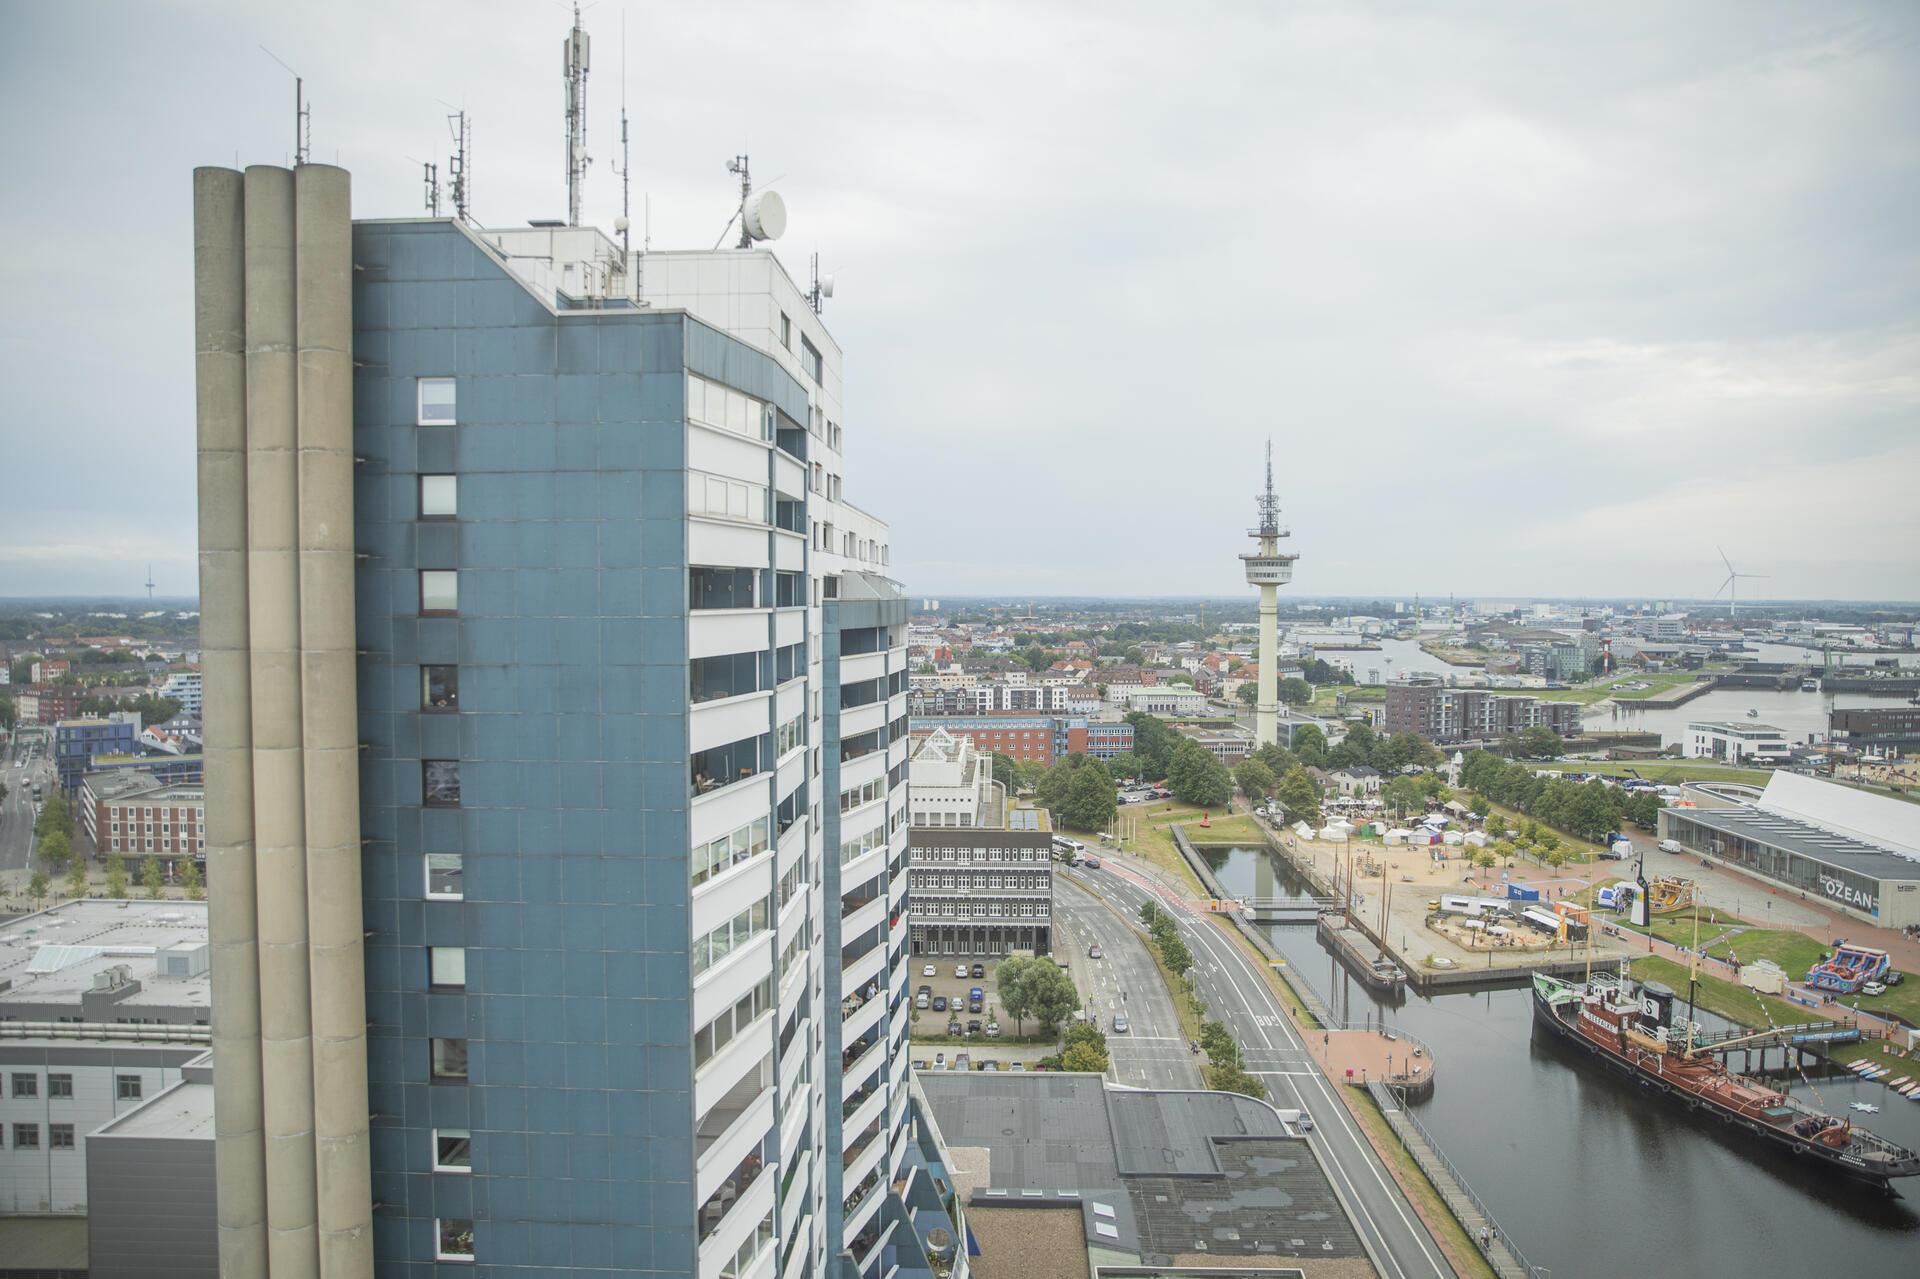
<point>1858,851</point>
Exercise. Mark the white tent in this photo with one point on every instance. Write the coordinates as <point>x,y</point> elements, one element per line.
<point>1478,838</point>
<point>1398,835</point>
<point>1337,834</point>
<point>1303,830</point>
<point>1452,837</point>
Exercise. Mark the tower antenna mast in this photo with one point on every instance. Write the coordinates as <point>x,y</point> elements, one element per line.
<point>302,112</point>
<point>431,172</point>
<point>625,169</point>
<point>1268,568</point>
<point>149,583</point>
<point>574,53</point>
<point>458,176</point>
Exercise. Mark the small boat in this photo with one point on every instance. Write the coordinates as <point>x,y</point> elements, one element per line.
<point>1895,1083</point>
<point>1752,713</point>
<point>1865,1107</point>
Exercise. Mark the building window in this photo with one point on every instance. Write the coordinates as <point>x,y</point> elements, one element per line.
<point>452,1150</point>
<point>439,497</point>
<point>60,1137</point>
<point>454,1239</point>
<point>435,401</point>
<point>440,783</point>
<point>59,1085</point>
<point>127,1087</point>
<point>26,1136</point>
<point>728,675</point>
<point>447,967</point>
<point>810,360</point>
<point>444,875</point>
<point>26,1085</point>
<point>439,592</point>
<point>439,688</point>
<point>721,587</point>
<point>786,330</point>
<point>449,1060</point>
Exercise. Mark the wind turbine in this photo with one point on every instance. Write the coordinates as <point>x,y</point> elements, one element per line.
<point>1732,585</point>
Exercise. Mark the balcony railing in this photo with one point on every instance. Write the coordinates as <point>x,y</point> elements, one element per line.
<point>714,1211</point>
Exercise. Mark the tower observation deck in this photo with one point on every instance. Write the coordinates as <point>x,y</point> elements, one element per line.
<point>1268,568</point>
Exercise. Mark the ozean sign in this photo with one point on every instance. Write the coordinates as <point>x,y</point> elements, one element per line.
<point>1841,891</point>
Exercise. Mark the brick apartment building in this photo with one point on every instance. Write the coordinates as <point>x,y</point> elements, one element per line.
<point>1422,705</point>
<point>1029,739</point>
<point>138,813</point>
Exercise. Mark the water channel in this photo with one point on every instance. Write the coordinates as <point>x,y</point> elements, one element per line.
<point>1592,1179</point>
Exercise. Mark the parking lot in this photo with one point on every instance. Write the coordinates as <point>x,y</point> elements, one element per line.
<point>945,985</point>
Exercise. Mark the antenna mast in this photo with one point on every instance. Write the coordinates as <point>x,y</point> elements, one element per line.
<point>149,583</point>
<point>1269,503</point>
<point>302,113</point>
<point>625,168</point>
<point>432,173</point>
<point>457,175</point>
<point>574,54</point>
<point>739,165</point>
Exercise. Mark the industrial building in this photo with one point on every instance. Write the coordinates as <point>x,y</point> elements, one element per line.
<point>979,864</point>
<point>1856,851</point>
<point>1880,731</point>
<point>539,642</point>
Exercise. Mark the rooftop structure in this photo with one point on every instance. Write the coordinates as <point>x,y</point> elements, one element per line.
<point>107,961</point>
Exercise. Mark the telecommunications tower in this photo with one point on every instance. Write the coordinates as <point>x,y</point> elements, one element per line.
<point>1268,568</point>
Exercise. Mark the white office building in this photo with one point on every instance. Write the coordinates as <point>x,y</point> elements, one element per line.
<point>1737,743</point>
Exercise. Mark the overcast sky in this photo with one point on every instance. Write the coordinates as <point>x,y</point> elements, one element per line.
<point>1533,300</point>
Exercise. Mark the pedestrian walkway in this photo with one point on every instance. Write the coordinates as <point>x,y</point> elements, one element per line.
<point>1461,1201</point>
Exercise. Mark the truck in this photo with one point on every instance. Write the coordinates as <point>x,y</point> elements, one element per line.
<point>1300,1119</point>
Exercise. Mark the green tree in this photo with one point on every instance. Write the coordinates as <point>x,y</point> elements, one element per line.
<point>1479,806</point>
<point>1550,842</point>
<point>1404,795</point>
<point>1496,824</point>
<point>1230,1078</point>
<point>1255,778</point>
<point>1310,745</point>
<point>190,880</point>
<point>1010,977</point>
<point>1248,692</point>
<point>1503,849</point>
<point>1299,795</point>
<point>1050,995</point>
<point>55,848</point>
<point>1278,759</point>
<point>1541,742</point>
<point>1197,776</point>
<point>1125,765</point>
<point>77,877</point>
<point>1149,914</point>
<point>1089,803</point>
<point>1174,954</point>
<point>37,887</point>
<point>1484,859</point>
<point>9,713</point>
<point>1295,691</point>
<point>1218,1041</point>
<point>116,876</point>
<point>1153,742</point>
<point>1084,1057</point>
<point>151,876</point>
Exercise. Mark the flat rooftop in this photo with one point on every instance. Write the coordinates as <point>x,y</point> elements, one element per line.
<point>1162,1175</point>
<point>184,1111</point>
<point>53,956</point>
<point>1806,839</point>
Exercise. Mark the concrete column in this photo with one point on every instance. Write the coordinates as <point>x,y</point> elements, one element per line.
<point>221,381</point>
<point>273,607</point>
<point>1266,708</point>
<point>323,257</point>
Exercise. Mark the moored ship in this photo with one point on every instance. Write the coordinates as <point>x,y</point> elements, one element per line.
<point>1629,1029</point>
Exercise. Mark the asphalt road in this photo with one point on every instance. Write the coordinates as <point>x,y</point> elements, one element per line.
<point>1153,1053</point>
<point>16,811</point>
<point>1235,989</point>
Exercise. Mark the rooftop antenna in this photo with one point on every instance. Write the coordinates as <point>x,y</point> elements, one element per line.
<point>1268,503</point>
<point>822,286</point>
<point>432,175</point>
<point>625,167</point>
<point>458,177</point>
<point>761,217</point>
<point>302,113</point>
<point>574,51</point>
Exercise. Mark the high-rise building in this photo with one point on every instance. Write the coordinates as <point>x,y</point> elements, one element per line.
<point>1268,568</point>
<point>541,653</point>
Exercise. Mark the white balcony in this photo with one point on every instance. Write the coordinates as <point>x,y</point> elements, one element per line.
<point>741,1130</point>
<point>862,666</point>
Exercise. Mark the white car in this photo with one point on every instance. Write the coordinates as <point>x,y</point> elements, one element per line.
<point>960,971</point>
<point>928,971</point>
<point>1874,988</point>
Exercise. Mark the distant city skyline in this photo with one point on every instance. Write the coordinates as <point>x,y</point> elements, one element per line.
<point>1529,300</point>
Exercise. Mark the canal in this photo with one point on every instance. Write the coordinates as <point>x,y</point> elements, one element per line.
<point>1592,1180</point>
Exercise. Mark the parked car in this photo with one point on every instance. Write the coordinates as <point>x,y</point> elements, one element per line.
<point>979,972</point>
<point>929,971</point>
<point>976,1005</point>
<point>1018,1065</point>
<point>973,1026</point>
<point>1893,977</point>
<point>953,1027</point>
<point>939,1003</point>
<point>1670,846</point>
<point>993,1030</point>
<point>960,971</point>
<point>939,1061</point>
<point>976,993</point>
<point>924,990</point>
<point>922,1000</point>
<point>1874,988</point>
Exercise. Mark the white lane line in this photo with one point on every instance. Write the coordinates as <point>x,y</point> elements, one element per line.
<point>1395,1196</point>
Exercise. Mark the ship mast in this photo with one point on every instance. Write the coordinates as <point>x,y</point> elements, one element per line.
<point>1693,973</point>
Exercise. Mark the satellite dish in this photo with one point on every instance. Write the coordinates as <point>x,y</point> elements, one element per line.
<point>765,215</point>
<point>620,226</point>
<point>826,286</point>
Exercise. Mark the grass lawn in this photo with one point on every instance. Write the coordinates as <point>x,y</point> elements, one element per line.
<point>1734,1002</point>
<point>1572,847</point>
<point>1795,952</point>
<point>1678,928</point>
<point>1147,829</point>
<point>1598,690</point>
<point>1669,772</point>
<point>944,1040</point>
<point>1182,1008</point>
